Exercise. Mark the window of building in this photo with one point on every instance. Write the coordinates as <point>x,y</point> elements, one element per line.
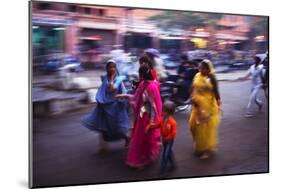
<point>72,8</point>
<point>101,12</point>
<point>95,11</point>
<point>87,10</point>
<point>44,6</point>
<point>98,12</point>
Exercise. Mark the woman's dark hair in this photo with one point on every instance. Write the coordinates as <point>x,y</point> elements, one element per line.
<point>257,59</point>
<point>150,55</point>
<point>205,65</point>
<point>145,73</point>
<point>146,59</point>
<point>169,107</point>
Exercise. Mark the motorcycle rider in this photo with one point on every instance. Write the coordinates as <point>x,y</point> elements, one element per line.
<point>157,63</point>
<point>186,71</point>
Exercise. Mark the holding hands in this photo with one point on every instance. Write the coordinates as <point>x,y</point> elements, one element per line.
<point>149,126</point>
<point>121,96</point>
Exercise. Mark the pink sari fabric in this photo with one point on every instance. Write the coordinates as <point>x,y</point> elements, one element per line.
<point>144,147</point>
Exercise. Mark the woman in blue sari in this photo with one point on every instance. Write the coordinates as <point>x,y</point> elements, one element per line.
<point>110,117</point>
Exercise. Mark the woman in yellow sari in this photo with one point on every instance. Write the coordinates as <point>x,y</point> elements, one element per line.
<point>205,115</point>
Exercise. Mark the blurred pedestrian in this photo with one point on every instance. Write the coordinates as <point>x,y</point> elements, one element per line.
<point>266,76</point>
<point>148,61</point>
<point>168,127</point>
<point>144,148</point>
<point>110,117</point>
<point>205,115</point>
<point>256,71</point>
<point>157,63</point>
<point>186,72</point>
<point>183,65</point>
<point>145,61</point>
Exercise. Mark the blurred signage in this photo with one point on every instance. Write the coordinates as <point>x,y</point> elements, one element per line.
<point>260,38</point>
<point>51,21</point>
<point>94,37</point>
<point>139,26</point>
<point>199,33</point>
<point>199,42</point>
<point>140,29</point>
<point>97,25</point>
<point>230,36</point>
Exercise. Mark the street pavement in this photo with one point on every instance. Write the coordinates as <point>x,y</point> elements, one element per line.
<point>44,87</point>
<point>66,153</point>
<point>94,76</point>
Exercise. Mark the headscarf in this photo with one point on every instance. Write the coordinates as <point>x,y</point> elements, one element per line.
<point>116,69</point>
<point>210,65</point>
<point>103,96</point>
<point>153,51</point>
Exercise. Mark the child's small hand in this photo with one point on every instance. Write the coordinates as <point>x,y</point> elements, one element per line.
<point>121,96</point>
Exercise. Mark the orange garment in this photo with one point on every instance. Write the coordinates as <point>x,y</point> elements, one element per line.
<point>168,128</point>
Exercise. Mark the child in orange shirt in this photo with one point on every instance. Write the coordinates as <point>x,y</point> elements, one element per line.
<point>168,127</point>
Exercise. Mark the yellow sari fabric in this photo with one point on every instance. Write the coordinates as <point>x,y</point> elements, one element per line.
<point>205,116</point>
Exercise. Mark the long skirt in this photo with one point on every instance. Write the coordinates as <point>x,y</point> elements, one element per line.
<point>111,120</point>
<point>144,147</point>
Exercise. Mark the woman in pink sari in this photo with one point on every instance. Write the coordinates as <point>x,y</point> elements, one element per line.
<point>144,148</point>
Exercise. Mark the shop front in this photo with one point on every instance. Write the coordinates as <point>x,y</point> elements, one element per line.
<point>51,35</point>
<point>96,38</point>
<point>48,39</point>
<point>139,41</point>
<point>137,35</point>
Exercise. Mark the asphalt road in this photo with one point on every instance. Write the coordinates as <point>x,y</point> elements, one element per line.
<point>66,153</point>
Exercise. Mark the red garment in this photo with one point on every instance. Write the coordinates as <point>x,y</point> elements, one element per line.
<point>168,128</point>
<point>154,74</point>
<point>144,147</point>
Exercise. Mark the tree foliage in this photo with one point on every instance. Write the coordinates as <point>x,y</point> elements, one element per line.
<point>184,20</point>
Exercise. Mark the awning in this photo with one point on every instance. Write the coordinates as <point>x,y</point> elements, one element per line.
<point>198,34</point>
<point>171,37</point>
<point>230,37</point>
<point>53,21</point>
<point>97,25</point>
<point>94,38</point>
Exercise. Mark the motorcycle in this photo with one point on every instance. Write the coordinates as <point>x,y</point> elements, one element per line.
<point>168,90</point>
